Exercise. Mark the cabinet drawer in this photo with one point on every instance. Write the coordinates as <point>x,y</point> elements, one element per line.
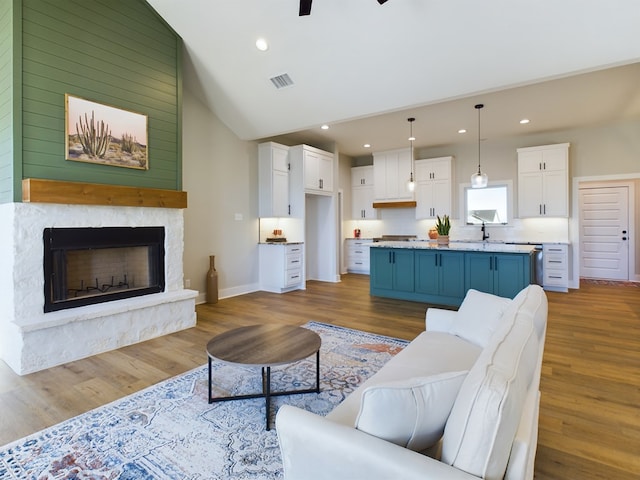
<point>359,264</point>
<point>289,249</point>
<point>293,261</point>
<point>557,260</point>
<point>293,277</point>
<point>359,253</point>
<point>555,278</point>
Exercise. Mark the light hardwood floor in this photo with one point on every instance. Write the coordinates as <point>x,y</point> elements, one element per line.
<point>590,408</point>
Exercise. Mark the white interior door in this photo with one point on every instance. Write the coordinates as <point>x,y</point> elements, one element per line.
<point>604,233</point>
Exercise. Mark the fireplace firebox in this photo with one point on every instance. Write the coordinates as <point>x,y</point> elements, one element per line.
<point>83,266</point>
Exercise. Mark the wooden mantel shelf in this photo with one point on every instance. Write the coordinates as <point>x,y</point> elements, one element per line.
<point>37,190</point>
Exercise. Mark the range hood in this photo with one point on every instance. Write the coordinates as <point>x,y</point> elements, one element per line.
<point>405,204</point>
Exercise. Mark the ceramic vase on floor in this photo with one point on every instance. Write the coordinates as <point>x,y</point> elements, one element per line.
<point>212,281</point>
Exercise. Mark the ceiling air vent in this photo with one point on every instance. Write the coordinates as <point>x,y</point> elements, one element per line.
<point>281,81</point>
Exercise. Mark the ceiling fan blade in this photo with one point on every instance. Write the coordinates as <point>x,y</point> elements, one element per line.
<point>305,7</point>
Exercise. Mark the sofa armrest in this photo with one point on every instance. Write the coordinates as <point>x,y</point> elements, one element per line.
<point>439,320</point>
<point>314,448</point>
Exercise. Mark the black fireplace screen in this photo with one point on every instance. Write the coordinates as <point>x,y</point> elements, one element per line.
<point>83,266</point>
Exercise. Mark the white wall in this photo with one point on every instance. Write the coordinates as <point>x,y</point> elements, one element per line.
<point>220,174</point>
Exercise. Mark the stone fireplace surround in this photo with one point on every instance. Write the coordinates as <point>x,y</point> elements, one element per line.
<point>31,340</point>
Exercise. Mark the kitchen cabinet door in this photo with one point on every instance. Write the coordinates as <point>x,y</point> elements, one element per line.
<point>479,272</point>
<point>317,168</point>
<point>433,187</point>
<point>440,273</point>
<point>381,268</point>
<point>543,181</point>
<point>362,204</point>
<point>362,193</point>
<point>392,269</point>
<point>499,274</point>
<point>362,176</point>
<point>273,184</point>
<point>427,272</point>
<point>391,171</point>
<point>452,274</point>
<point>509,275</point>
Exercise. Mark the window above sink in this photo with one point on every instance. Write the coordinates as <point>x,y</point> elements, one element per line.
<point>490,205</point>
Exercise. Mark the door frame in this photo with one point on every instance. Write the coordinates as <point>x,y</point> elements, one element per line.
<point>623,180</point>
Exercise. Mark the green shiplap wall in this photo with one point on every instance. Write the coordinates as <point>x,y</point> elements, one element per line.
<point>6,120</point>
<point>115,52</point>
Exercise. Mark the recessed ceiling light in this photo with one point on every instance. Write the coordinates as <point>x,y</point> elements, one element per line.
<point>262,45</point>
<point>462,130</point>
<point>367,145</point>
<point>524,121</point>
<point>325,127</point>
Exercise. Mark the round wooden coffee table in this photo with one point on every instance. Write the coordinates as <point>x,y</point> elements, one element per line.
<point>264,346</point>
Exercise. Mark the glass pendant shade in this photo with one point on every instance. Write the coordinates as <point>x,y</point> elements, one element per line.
<point>411,184</point>
<point>479,180</point>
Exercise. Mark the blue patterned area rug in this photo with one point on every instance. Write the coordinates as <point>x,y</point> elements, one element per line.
<point>170,431</point>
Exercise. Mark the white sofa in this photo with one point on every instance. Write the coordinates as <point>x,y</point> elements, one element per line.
<point>460,401</point>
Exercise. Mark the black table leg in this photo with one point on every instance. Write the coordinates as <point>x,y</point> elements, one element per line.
<point>267,395</point>
<point>318,371</point>
<point>210,399</point>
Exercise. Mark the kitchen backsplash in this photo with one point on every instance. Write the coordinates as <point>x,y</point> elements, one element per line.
<point>401,221</point>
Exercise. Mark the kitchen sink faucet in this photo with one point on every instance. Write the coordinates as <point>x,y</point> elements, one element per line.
<point>485,235</point>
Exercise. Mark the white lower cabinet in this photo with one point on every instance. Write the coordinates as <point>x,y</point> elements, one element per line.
<point>556,267</point>
<point>357,255</point>
<point>281,267</point>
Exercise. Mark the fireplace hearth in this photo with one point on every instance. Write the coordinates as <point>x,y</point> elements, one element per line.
<point>84,266</point>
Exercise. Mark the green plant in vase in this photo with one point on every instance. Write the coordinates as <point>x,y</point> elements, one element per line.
<point>443,226</point>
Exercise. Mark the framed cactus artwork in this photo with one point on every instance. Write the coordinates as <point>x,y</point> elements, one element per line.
<point>106,135</point>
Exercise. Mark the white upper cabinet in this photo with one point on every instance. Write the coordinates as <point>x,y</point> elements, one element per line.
<point>362,193</point>
<point>273,183</point>
<point>543,181</point>
<point>318,168</point>
<point>433,187</point>
<point>391,171</point>
<point>362,176</point>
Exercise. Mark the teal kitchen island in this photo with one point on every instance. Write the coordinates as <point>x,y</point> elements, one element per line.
<point>422,271</point>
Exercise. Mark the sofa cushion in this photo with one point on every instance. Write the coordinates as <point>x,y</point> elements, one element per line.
<point>487,411</point>
<point>410,413</point>
<point>479,316</point>
<point>430,353</point>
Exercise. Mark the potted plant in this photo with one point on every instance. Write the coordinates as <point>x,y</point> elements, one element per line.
<point>443,225</point>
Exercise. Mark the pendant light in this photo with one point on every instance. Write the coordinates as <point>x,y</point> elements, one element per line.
<point>479,179</point>
<point>411,184</point>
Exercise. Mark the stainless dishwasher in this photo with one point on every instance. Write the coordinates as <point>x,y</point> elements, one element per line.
<point>538,263</point>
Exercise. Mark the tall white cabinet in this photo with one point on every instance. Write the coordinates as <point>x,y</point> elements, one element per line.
<point>313,200</point>
<point>433,187</point>
<point>543,181</point>
<point>362,195</point>
<point>273,180</point>
<point>391,171</point>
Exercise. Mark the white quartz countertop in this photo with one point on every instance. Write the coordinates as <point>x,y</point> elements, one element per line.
<point>458,246</point>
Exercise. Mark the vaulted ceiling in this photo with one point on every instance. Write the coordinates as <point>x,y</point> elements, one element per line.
<point>362,68</point>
